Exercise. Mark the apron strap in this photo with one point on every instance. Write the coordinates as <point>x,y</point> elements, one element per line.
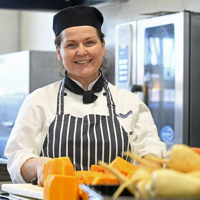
<point>60,99</point>
<point>110,102</point>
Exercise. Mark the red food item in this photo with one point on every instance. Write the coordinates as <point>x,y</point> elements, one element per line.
<point>196,149</point>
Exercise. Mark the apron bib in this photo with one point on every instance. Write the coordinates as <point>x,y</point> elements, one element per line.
<point>86,140</point>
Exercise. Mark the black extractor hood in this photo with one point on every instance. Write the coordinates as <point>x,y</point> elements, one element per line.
<point>45,4</point>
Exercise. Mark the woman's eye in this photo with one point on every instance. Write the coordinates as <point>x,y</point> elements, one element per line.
<point>90,43</point>
<point>71,45</point>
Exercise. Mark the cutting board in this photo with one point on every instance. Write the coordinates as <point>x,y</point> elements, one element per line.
<point>26,190</point>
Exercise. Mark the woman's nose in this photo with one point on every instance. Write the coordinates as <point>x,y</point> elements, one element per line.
<point>81,50</point>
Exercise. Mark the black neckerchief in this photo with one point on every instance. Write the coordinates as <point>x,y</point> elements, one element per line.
<point>88,96</point>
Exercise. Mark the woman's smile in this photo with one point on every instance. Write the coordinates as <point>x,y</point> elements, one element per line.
<point>83,61</point>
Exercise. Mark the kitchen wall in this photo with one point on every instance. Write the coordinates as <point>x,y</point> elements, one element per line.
<point>31,30</point>
<point>9,31</point>
<point>26,30</point>
<point>36,31</point>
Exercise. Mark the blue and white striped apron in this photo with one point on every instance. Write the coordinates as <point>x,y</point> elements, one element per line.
<point>86,140</point>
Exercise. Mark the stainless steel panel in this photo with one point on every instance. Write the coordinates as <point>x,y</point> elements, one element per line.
<point>166,54</point>
<point>21,73</point>
<point>194,47</point>
<point>125,55</point>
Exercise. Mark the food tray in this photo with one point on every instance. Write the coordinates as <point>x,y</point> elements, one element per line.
<point>105,192</point>
<point>109,190</point>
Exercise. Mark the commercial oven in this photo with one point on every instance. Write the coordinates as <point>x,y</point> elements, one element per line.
<point>164,72</point>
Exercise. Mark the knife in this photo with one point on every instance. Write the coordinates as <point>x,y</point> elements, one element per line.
<point>34,181</point>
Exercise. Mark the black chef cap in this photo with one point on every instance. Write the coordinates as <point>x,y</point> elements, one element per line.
<point>77,16</point>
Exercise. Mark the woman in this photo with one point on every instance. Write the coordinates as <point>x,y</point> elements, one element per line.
<point>83,117</point>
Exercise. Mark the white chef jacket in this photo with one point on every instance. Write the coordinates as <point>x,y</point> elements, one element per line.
<point>39,110</point>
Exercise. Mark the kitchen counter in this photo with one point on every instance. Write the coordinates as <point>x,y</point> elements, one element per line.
<point>15,197</point>
<point>4,175</point>
<point>4,182</point>
<point>121,198</point>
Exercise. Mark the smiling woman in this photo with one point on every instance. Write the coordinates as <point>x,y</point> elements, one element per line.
<point>83,117</point>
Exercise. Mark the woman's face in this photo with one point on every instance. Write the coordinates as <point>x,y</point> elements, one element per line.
<point>81,53</point>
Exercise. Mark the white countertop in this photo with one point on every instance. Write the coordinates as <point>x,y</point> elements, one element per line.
<point>4,182</point>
